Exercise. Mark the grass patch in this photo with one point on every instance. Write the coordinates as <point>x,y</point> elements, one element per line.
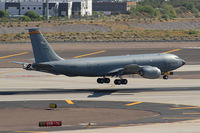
<point>130,35</point>
<point>193,32</point>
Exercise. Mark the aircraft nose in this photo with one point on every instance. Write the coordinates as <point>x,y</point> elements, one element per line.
<point>183,62</point>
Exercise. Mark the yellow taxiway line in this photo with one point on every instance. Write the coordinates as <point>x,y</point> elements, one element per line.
<point>13,55</point>
<point>98,52</point>
<point>130,104</point>
<point>69,102</point>
<point>184,108</point>
<point>172,51</point>
<point>173,118</point>
<point>191,113</point>
<point>31,132</point>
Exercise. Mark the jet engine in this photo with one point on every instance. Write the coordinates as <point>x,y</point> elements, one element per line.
<point>150,72</point>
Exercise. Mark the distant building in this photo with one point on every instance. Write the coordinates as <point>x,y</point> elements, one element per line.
<point>56,7</point>
<point>116,1</point>
<point>109,7</point>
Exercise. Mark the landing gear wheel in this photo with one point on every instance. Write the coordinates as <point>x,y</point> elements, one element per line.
<point>106,80</point>
<point>165,77</point>
<point>124,81</point>
<point>103,80</point>
<point>117,81</point>
<point>100,80</point>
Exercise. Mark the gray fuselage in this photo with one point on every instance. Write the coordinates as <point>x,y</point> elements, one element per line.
<point>101,66</point>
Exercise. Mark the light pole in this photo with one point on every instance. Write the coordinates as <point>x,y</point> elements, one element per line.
<point>47,10</point>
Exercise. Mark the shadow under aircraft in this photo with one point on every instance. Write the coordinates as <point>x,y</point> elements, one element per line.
<point>98,92</point>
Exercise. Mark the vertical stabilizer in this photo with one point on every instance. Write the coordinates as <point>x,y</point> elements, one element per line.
<point>41,49</point>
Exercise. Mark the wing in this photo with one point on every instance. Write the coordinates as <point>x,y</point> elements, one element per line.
<point>129,69</point>
<point>21,63</point>
<point>132,69</point>
<point>150,72</point>
<point>32,59</point>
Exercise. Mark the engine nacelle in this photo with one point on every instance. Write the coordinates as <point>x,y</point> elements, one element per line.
<point>150,72</point>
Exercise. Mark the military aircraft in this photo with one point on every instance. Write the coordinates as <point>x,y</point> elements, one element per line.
<point>150,66</point>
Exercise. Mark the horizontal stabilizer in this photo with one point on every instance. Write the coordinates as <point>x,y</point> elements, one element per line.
<point>25,65</point>
<point>21,63</point>
<point>32,59</point>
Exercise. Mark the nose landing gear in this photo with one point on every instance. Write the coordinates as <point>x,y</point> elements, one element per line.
<point>165,77</point>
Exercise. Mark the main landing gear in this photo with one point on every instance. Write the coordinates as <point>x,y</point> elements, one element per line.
<point>121,81</point>
<point>117,81</point>
<point>103,80</point>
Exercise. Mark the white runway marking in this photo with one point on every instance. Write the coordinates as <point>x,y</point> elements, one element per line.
<point>192,47</point>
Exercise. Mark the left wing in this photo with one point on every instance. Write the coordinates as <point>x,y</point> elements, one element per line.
<point>132,68</point>
<point>129,69</point>
<point>149,72</point>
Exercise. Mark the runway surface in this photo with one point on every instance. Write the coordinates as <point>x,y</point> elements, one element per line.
<point>114,114</point>
<point>175,100</point>
<point>18,84</point>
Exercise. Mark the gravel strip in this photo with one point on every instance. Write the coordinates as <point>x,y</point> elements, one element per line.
<point>60,28</point>
<point>168,25</point>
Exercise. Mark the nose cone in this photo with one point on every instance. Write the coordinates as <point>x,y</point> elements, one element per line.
<point>183,62</point>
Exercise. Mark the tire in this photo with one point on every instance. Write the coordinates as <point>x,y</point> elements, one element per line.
<point>124,81</point>
<point>106,80</point>
<point>100,80</point>
<point>165,77</point>
<point>117,82</point>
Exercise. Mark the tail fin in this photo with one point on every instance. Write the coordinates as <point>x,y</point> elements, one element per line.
<point>41,49</point>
